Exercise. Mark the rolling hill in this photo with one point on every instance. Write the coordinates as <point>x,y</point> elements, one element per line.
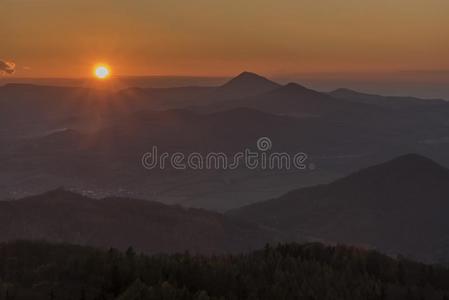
<point>62,216</point>
<point>400,206</point>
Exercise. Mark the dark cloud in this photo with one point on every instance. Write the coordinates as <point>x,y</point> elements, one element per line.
<point>7,67</point>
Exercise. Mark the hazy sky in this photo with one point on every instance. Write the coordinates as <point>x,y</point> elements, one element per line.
<point>223,37</point>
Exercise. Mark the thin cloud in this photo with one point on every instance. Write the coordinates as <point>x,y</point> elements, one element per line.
<point>7,67</point>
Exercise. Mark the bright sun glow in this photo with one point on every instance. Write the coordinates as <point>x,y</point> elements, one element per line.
<point>102,71</point>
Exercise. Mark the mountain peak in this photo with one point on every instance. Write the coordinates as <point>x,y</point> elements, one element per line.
<point>251,80</point>
<point>246,84</point>
<point>249,75</point>
<point>413,161</point>
<point>409,169</point>
<point>293,88</point>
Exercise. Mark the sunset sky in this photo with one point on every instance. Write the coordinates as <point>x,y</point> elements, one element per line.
<point>222,37</point>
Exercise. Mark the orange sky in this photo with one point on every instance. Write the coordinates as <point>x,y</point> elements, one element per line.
<point>222,37</point>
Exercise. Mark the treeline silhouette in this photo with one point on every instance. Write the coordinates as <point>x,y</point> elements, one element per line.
<point>39,270</point>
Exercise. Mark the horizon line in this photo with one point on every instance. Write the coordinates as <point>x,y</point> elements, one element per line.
<point>276,74</point>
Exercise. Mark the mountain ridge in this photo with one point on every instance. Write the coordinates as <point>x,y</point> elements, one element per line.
<point>64,216</point>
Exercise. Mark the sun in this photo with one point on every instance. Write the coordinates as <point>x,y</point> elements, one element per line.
<point>102,71</point>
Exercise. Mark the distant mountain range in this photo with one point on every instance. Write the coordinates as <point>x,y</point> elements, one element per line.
<point>33,109</point>
<point>92,140</point>
<point>399,207</point>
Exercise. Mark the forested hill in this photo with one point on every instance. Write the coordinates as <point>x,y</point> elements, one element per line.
<point>38,270</point>
<point>151,227</point>
<point>398,207</point>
